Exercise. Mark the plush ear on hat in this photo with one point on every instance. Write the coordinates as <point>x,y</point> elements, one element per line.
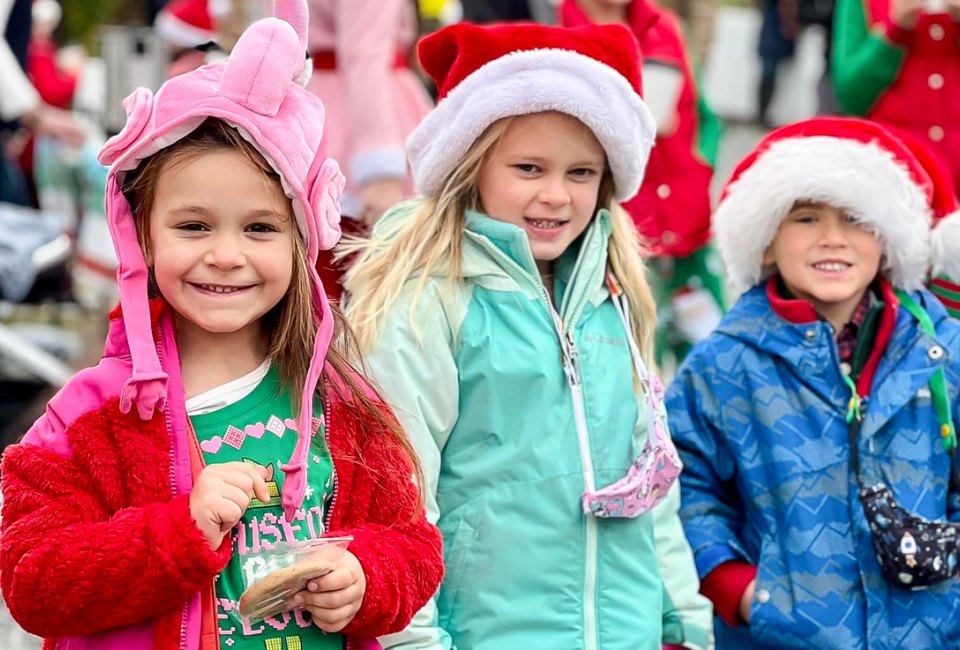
<point>297,14</point>
<point>258,72</point>
<point>325,201</point>
<point>139,108</point>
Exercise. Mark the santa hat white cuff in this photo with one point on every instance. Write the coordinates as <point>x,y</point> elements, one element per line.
<point>534,81</point>
<point>945,241</point>
<point>864,178</point>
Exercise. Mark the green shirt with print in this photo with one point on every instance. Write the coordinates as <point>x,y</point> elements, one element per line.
<point>260,430</point>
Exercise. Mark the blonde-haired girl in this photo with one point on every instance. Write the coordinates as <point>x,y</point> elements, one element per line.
<point>507,318</point>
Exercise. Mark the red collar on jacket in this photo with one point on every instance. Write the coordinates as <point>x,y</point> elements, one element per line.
<point>800,311</point>
<point>157,305</point>
<point>641,16</point>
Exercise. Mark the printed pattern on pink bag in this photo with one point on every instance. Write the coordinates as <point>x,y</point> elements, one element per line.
<point>651,474</point>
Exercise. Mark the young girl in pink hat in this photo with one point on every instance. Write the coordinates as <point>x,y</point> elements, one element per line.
<point>227,415</point>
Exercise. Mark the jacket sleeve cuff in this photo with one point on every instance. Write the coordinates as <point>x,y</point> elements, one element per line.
<point>898,35</point>
<point>190,551</point>
<point>725,585</point>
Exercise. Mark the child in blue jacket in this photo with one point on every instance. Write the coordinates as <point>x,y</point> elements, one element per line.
<point>816,424</point>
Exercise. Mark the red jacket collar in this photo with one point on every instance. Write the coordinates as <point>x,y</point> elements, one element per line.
<point>157,305</point>
<point>800,311</point>
<point>641,16</point>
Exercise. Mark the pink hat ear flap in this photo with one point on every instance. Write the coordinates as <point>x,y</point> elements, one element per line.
<point>295,471</point>
<point>147,386</point>
<point>325,202</point>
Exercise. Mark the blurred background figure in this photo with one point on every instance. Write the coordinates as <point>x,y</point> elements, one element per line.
<point>699,16</point>
<point>778,32</point>
<point>898,62</point>
<point>361,52</point>
<point>187,28</point>
<point>21,105</point>
<point>672,209</point>
<point>491,11</point>
<point>819,13</point>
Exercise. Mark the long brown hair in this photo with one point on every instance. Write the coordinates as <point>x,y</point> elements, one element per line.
<point>291,325</point>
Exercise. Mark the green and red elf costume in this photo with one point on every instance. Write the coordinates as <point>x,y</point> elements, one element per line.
<point>944,280</point>
<point>908,79</point>
<point>672,209</point>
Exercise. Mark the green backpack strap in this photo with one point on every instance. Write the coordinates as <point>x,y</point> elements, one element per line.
<point>938,382</point>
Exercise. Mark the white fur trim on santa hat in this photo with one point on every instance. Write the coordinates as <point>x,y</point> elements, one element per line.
<point>180,33</point>
<point>861,178</point>
<point>945,242</point>
<point>534,81</point>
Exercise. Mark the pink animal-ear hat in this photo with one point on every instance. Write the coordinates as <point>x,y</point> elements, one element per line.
<point>259,91</point>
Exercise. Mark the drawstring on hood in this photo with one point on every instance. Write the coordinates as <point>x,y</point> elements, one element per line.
<point>259,91</point>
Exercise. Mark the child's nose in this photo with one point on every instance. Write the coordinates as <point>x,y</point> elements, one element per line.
<point>833,233</point>
<point>554,192</point>
<point>225,252</point>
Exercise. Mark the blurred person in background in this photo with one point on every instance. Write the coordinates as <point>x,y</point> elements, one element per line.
<point>20,103</point>
<point>778,33</point>
<point>898,62</point>
<point>53,71</point>
<point>361,70</point>
<point>494,11</point>
<point>699,17</point>
<point>672,209</point>
<point>188,29</point>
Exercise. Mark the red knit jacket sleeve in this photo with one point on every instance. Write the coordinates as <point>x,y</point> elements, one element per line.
<point>86,543</point>
<point>401,553</point>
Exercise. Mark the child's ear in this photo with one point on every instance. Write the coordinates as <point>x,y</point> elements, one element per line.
<point>769,259</point>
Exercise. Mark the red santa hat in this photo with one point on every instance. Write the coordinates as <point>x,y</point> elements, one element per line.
<point>852,164</point>
<point>945,236</point>
<point>486,73</point>
<point>185,23</point>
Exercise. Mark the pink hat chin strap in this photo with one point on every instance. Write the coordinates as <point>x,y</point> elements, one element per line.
<point>295,471</point>
<point>147,386</point>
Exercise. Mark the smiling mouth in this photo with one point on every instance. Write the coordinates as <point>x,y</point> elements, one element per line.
<point>832,267</point>
<point>546,224</point>
<point>220,288</point>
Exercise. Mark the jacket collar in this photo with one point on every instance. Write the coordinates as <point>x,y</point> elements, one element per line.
<point>579,272</point>
<point>640,14</point>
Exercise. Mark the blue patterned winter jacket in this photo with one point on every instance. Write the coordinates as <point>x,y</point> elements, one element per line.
<point>758,414</point>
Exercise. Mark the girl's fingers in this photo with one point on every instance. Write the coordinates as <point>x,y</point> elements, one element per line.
<point>250,478</point>
<point>332,620</point>
<point>328,600</point>
<point>236,495</point>
<point>334,581</point>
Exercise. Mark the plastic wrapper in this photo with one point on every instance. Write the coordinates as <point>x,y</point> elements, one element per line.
<point>276,575</point>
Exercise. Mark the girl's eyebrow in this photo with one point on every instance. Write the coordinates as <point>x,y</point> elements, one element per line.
<point>541,160</point>
<point>191,209</point>
<point>253,214</point>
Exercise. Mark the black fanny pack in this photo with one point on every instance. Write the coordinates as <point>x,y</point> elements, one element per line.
<point>913,552</point>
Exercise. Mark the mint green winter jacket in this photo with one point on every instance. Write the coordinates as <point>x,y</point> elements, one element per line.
<point>475,377</point>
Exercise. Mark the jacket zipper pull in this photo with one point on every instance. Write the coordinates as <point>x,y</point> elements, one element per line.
<point>571,358</point>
